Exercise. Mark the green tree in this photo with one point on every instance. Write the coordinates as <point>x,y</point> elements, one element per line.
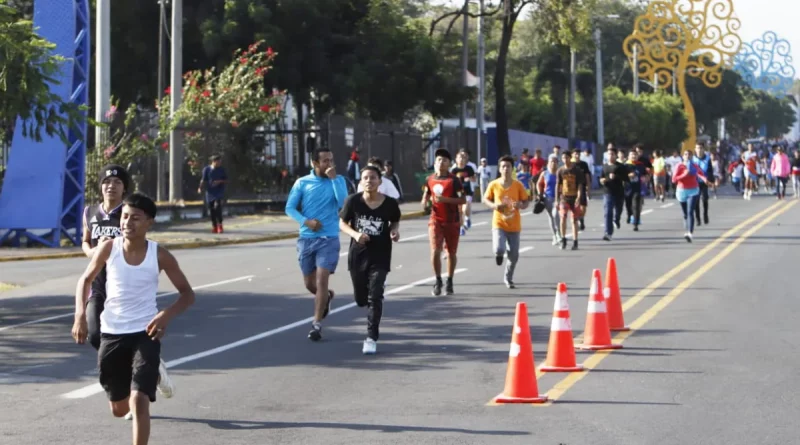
<point>27,69</point>
<point>761,108</point>
<point>655,120</point>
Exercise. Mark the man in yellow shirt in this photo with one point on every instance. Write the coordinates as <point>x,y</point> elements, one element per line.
<point>506,196</point>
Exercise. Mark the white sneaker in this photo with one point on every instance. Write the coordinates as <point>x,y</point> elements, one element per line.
<point>129,416</point>
<point>556,240</point>
<point>370,347</point>
<point>165,385</point>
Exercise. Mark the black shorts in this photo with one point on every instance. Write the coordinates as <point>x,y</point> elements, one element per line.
<point>128,362</point>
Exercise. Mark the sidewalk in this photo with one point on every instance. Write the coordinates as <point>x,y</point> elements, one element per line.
<point>191,235</point>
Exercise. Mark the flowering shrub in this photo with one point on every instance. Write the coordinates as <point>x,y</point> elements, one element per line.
<point>235,98</point>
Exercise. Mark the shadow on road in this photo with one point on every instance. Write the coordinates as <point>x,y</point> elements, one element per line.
<point>251,425</point>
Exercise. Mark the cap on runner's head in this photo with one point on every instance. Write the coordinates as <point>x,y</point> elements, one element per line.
<point>115,171</point>
<point>443,153</point>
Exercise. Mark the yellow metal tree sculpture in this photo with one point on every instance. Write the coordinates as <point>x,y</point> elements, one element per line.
<point>680,37</point>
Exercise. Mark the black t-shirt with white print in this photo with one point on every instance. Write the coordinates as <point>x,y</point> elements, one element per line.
<point>375,223</point>
<point>102,225</point>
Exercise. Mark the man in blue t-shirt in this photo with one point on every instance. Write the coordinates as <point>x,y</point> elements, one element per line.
<point>314,202</point>
<point>214,178</point>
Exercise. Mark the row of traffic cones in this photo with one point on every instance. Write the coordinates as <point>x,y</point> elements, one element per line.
<point>604,315</point>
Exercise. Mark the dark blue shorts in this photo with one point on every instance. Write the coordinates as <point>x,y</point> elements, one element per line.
<point>318,253</point>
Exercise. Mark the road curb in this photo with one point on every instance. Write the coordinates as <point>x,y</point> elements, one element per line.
<point>188,244</point>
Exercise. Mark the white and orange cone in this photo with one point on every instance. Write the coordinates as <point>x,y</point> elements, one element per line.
<point>597,334</point>
<point>561,350</point>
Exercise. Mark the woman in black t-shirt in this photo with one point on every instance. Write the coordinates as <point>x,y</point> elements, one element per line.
<point>372,220</point>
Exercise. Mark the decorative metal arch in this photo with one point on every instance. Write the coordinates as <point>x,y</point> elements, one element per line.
<point>766,64</point>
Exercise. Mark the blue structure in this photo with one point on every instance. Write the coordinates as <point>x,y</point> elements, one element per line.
<point>766,64</point>
<point>43,188</point>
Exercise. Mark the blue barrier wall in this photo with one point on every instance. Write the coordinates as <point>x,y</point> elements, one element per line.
<point>44,183</point>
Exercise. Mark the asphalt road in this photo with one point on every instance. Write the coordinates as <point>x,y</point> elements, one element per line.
<point>711,358</point>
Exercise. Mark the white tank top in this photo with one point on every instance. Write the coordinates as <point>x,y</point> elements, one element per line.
<point>130,291</point>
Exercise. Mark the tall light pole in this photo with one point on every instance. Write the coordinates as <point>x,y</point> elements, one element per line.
<point>162,23</point>
<point>102,70</point>
<point>573,62</point>
<point>599,80</point>
<point>601,137</point>
<point>175,139</point>
<point>481,81</point>
<point>635,69</point>
<point>462,121</point>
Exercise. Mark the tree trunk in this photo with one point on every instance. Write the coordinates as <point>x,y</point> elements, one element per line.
<point>503,143</point>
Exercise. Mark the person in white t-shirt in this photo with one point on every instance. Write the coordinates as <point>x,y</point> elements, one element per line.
<point>131,325</point>
<point>387,186</point>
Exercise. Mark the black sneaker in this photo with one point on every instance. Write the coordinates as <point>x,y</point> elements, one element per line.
<point>448,289</point>
<point>616,224</point>
<point>582,226</point>
<point>705,219</point>
<point>499,260</point>
<point>635,228</point>
<point>575,245</point>
<point>606,237</point>
<point>437,288</point>
<point>328,306</point>
<point>563,244</point>
<point>315,334</point>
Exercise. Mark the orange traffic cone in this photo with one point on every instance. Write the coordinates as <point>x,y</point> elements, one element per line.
<point>616,321</point>
<point>597,334</point>
<point>561,351</point>
<point>521,386</point>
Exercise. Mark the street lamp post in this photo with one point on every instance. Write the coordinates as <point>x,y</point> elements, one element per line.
<point>481,81</point>
<point>599,86</point>
<point>175,139</point>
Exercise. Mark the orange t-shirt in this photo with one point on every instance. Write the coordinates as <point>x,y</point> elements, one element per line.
<point>510,219</point>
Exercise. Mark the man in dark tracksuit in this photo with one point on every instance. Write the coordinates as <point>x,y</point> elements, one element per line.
<point>702,161</point>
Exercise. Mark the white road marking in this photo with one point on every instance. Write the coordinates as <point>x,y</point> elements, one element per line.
<point>95,388</point>
<point>665,206</point>
<point>165,294</point>
<point>525,249</point>
<point>344,254</point>
<point>645,212</point>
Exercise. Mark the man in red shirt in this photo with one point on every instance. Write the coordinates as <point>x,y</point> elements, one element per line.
<point>446,194</point>
<point>538,164</point>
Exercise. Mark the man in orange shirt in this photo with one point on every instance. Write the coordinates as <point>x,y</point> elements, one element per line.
<point>506,196</point>
<point>445,192</point>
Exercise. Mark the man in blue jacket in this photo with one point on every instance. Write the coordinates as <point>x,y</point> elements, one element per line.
<point>702,161</point>
<point>314,202</point>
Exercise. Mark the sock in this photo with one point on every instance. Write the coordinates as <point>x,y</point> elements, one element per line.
<point>438,278</point>
<point>316,325</point>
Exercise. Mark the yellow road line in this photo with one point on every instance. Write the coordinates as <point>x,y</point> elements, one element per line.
<point>644,293</point>
<point>7,286</point>
<point>565,384</point>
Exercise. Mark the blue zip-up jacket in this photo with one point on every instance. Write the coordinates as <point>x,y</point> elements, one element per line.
<point>313,197</point>
<point>704,164</point>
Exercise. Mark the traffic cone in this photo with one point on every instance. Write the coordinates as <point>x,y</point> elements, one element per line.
<point>561,350</point>
<point>616,321</point>
<point>521,386</point>
<point>597,334</point>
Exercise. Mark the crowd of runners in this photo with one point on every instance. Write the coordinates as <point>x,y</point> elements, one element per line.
<point>115,301</point>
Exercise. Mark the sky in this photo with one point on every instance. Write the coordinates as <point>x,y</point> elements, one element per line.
<point>757,17</point>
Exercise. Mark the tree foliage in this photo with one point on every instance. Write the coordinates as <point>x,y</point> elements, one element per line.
<point>655,120</point>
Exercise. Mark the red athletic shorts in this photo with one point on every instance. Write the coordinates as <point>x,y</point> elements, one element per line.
<point>570,207</point>
<point>446,234</point>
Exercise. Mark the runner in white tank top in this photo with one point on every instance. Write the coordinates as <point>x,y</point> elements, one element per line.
<point>131,327</point>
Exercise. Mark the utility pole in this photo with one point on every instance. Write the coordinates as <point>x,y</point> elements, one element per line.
<point>481,82</point>
<point>599,86</point>
<point>102,70</point>
<point>464,65</point>
<point>635,70</point>
<point>162,23</point>
<point>175,139</point>
<point>573,62</point>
